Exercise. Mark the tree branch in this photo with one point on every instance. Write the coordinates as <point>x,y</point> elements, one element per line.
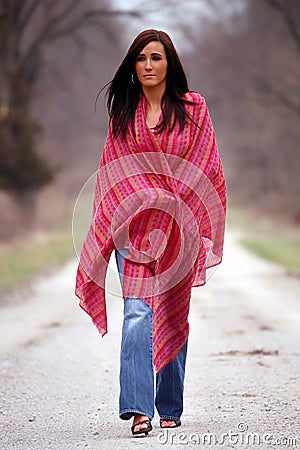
<point>63,14</point>
<point>267,88</point>
<point>291,18</point>
<point>29,14</point>
<point>89,18</point>
<point>50,33</point>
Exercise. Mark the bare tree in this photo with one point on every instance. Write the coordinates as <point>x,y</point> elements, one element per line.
<point>27,28</point>
<point>251,79</point>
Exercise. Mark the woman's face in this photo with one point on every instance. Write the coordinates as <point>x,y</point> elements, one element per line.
<point>151,65</point>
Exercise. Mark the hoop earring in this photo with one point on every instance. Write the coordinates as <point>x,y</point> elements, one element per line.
<point>132,79</point>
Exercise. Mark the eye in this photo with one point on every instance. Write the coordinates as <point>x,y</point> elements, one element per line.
<point>140,58</point>
<point>156,58</point>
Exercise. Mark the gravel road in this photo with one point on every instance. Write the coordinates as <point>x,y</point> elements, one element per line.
<point>59,379</point>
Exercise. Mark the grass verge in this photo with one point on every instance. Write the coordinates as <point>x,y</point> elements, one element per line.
<point>25,258</point>
<point>29,256</point>
<point>283,251</point>
<point>273,241</point>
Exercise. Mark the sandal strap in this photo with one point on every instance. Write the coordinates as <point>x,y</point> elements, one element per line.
<point>147,421</point>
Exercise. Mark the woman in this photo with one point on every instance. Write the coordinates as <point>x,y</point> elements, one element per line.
<point>160,204</point>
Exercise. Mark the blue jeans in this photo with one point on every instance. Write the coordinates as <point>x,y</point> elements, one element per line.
<point>136,366</point>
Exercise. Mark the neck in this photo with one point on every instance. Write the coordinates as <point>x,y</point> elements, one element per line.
<point>154,96</point>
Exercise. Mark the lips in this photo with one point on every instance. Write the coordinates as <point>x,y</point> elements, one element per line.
<point>148,76</point>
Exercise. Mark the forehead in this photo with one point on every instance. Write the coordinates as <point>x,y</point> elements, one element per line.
<point>153,47</point>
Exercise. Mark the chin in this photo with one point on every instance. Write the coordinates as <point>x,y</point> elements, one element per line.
<point>149,83</point>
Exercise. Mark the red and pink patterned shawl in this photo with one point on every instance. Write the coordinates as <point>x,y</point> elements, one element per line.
<point>163,197</point>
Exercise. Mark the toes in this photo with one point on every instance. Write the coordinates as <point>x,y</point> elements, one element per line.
<point>139,422</point>
<point>168,423</point>
<point>139,427</point>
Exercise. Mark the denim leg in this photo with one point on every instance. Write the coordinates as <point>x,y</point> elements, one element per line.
<point>136,366</point>
<point>169,387</point>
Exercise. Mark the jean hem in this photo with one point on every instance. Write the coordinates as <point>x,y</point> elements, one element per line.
<point>130,412</point>
<point>170,417</point>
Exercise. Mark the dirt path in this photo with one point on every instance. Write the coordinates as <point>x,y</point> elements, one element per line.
<point>59,379</point>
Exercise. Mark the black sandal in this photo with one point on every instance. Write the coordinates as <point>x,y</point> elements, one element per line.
<point>142,430</point>
<point>176,422</point>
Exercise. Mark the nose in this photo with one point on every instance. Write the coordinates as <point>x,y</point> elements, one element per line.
<point>148,64</point>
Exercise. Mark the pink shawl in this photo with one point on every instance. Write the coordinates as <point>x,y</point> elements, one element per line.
<point>163,197</point>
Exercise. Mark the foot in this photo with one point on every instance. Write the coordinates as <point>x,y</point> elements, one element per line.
<point>164,423</point>
<point>137,426</point>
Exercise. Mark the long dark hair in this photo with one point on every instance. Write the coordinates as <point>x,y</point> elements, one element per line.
<point>123,94</point>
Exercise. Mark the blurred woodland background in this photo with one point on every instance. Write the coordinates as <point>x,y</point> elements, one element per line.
<point>55,56</point>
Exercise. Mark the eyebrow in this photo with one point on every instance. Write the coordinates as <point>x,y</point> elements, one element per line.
<point>154,53</point>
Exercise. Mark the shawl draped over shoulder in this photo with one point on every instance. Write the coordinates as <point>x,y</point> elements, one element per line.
<point>163,198</point>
